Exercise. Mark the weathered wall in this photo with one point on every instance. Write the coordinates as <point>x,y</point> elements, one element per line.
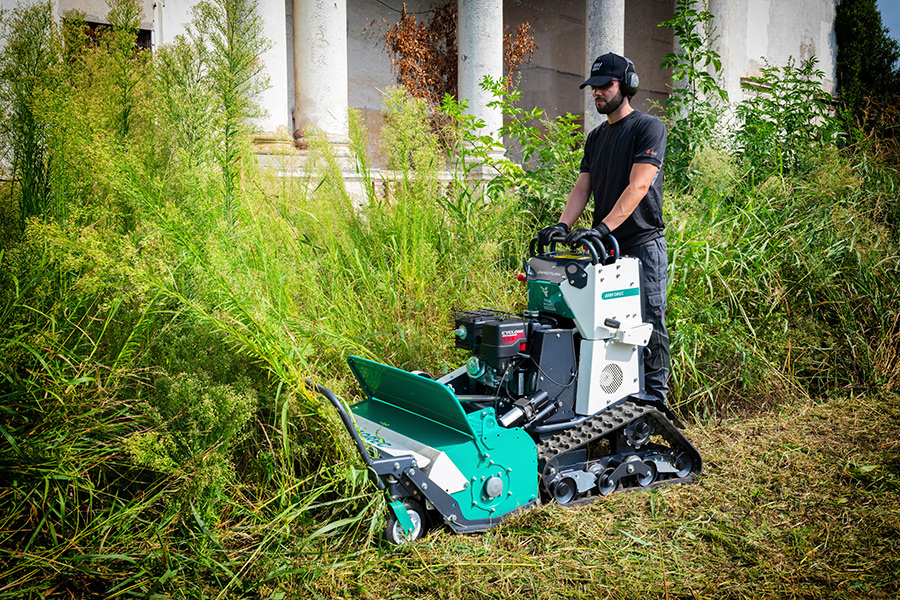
<point>369,66</point>
<point>95,10</point>
<point>551,79</point>
<point>749,30</point>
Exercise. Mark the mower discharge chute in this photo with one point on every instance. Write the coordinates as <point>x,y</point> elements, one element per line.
<point>549,406</point>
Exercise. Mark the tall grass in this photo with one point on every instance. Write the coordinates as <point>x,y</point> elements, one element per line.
<point>160,317</point>
<point>789,286</point>
<point>159,436</point>
<point>27,72</point>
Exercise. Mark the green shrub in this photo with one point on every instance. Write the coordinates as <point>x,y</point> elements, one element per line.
<point>715,173</point>
<point>866,65</point>
<point>784,127</point>
<point>199,423</point>
<point>790,289</point>
<point>551,152</point>
<point>29,61</point>
<point>694,107</point>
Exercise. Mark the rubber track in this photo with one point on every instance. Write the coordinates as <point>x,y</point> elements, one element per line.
<point>606,424</point>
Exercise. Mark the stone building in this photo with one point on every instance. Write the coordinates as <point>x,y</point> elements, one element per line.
<point>326,59</point>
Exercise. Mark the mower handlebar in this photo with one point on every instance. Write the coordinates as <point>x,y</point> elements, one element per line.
<point>535,247</point>
<point>594,245</point>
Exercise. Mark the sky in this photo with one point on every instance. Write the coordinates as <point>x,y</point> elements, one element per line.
<point>890,16</point>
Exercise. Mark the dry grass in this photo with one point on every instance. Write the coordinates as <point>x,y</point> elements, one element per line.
<point>802,501</point>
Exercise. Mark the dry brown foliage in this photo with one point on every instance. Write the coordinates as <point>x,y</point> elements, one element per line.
<point>518,49</point>
<point>424,55</point>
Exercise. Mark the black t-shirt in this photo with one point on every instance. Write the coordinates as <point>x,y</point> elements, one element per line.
<point>609,153</point>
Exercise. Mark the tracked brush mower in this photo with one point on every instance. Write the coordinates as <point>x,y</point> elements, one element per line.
<point>550,405</point>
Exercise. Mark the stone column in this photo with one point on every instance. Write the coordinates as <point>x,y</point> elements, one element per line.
<point>275,127</point>
<point>604,29</point>
<point>171,19</point>
<point>320,69</point>
<point>480,35</point>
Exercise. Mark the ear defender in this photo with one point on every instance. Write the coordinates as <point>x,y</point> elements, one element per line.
<point>629,84</point>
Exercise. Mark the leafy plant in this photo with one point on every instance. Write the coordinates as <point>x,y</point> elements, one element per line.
<point>187,104</point>
<point>695,104</point>
<point>551,155</point>
<point>28,72</point>
<point>468,153</point>
<point>424,54</point>
<point>784,126</point>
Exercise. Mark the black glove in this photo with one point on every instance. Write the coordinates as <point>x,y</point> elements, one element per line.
<point>546,235</point>
<point>576,235</point>
<point>601,230</point>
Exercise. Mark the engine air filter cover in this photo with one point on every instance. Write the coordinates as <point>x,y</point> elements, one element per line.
<point>607,372</point>
<point>503,338</point>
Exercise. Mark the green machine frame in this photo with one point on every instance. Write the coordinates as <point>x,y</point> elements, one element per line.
<point>499,465</point>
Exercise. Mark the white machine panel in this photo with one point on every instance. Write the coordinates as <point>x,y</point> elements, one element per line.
<point>612,292</point>
<point>607,372</point>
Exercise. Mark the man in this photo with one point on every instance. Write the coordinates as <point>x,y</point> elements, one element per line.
<point>622,169</point>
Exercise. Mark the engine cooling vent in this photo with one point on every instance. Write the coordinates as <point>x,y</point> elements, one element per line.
<point>611,378</point>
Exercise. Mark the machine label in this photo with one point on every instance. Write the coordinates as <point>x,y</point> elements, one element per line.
<point>547,297</point>
<point>513,336</point>
<point>375,440</point>
<point>620,293</point>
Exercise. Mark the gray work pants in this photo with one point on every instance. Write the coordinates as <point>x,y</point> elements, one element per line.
<point>655,265</point>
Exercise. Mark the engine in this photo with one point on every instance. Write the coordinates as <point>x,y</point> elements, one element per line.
<point>519,363</point>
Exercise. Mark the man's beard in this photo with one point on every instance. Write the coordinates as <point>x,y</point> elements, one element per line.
<point>612,105</point>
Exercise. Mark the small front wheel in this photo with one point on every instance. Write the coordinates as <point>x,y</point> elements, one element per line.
<point>393,530</point>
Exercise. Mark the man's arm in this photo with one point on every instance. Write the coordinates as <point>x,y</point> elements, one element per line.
<point>577,200</point>
<point>642,175</point>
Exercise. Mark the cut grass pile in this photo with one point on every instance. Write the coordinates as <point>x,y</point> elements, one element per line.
<point>800,501</point>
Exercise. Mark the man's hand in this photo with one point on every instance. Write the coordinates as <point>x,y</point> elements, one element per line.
<point>576,235</point>
<point>546,235</point>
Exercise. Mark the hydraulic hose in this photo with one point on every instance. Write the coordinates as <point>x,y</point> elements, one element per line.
<point>350,427</point>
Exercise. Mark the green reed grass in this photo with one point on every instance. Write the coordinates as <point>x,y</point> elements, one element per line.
<point>787,287</point>
<point>158,326</point>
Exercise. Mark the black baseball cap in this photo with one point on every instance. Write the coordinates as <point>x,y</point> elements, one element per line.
<point>606,68</point>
